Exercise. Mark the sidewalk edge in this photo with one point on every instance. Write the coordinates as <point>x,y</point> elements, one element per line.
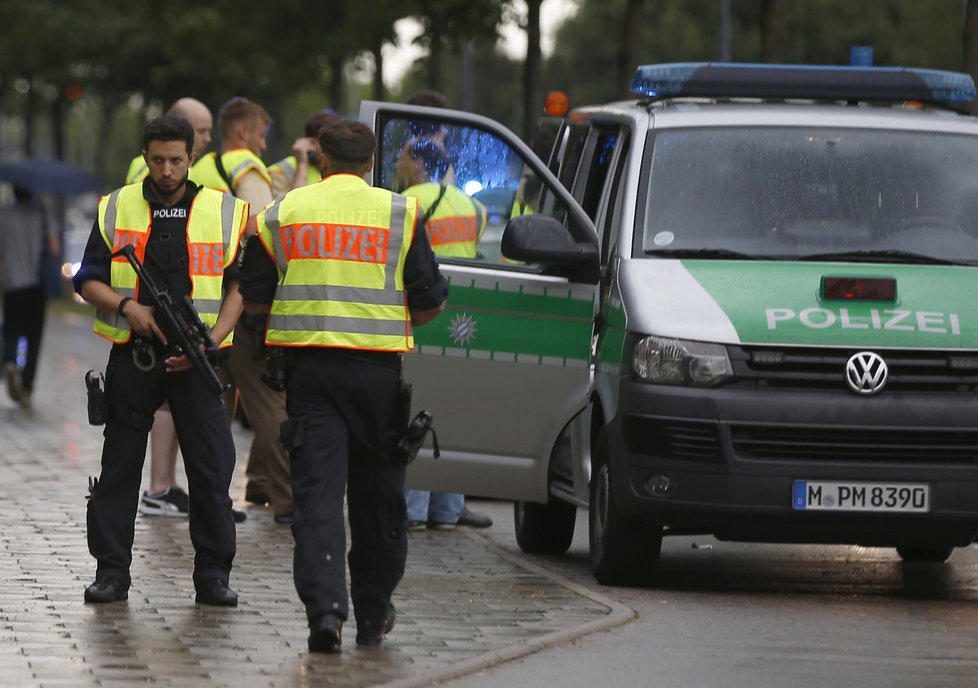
<point>618,614</point>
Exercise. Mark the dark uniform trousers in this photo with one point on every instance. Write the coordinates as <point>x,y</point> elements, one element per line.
<point>341,410</point>
<point>208,453</point>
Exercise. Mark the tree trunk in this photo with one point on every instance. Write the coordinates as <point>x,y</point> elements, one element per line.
<point>379,90</point>
<point>278,139</point>
<point>58,127</point>
<point>631,23</point>
<point>101,149</point>
<point>969,46</point>
<point>336,90</point>
<point>436,52</point>
<point>774,32</point>
<point>531,69</point>
<point>29,123</point>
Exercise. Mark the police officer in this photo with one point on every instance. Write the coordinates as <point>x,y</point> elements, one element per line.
<point>302,167</point>
<point>347,272</point>
<point>186,237</point>
<point>164,497</point>
<point>240,171</point>
<point>455,221</point>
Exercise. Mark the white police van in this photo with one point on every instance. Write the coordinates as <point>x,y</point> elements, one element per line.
<point>743,303</point>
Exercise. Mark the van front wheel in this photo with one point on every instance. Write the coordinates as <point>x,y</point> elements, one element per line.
<point>623,552</point>
<point>544,528</point>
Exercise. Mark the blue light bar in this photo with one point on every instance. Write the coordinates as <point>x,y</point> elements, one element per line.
<point>747,80</point>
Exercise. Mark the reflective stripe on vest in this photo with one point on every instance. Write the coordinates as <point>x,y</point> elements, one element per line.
<point>341,270</point>
<point>236,163</point>
<point>286,167</point>
<point>214,227</point>
<point>456,225</point>
<point>138,170</point>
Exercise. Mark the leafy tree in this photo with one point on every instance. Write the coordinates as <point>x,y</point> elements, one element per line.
<point>901,32</point>
<point>450,24</point>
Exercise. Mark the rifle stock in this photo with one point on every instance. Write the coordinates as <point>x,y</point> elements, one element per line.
<point>181,320</point>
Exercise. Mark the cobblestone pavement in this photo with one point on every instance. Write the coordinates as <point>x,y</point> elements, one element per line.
<point>463,603</point>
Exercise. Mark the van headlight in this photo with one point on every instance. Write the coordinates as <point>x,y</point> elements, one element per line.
<point>667,361</point>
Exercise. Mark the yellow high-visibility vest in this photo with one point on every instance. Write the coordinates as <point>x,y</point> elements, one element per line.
<point>340,248</point>
<point>138,171</point>
<point>237,163</point>
<point>457,223</point>
<point>286,168</point>
<point>214,230</point>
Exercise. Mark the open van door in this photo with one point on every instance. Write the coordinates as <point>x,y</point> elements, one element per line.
<point>507,365</point>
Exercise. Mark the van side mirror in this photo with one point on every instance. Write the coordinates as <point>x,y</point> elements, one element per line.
<point>545,240</point>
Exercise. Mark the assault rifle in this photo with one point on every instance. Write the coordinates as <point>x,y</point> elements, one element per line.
<point>185,332</point>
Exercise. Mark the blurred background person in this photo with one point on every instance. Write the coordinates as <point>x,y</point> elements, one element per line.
<point>303,166</point>
<point>25,234</point>
<point>454,222</point>
<point>239,170</point>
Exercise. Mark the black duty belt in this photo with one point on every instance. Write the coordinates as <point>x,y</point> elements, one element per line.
<point>387,359</point>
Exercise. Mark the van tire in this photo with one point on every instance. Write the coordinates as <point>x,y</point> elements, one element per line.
<point>932,554</point>
<point>623,552</point>
<point>544,528</point>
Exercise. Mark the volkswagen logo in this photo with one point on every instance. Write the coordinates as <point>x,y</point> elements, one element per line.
<point>866,373</point>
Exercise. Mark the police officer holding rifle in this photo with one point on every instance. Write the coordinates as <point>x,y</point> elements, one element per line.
<point>184,238</point>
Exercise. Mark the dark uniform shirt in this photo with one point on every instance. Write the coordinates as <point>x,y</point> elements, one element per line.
<point>167,257</point>
<point>426,287</point>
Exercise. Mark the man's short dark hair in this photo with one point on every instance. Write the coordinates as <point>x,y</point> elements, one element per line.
<point>432,155</point>
<point>169,128</point>
<point>347,143</point>
<point>318,122</point>
<point>435,99</point>
<point>429,98</point>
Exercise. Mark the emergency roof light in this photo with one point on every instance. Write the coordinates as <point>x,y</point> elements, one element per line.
<point>556,104</point>
<point>808,82</point>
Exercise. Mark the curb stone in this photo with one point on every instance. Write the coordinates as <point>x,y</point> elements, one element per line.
<point>618,615</point>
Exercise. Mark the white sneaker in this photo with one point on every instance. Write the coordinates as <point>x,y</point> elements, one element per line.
<point>170,502</point>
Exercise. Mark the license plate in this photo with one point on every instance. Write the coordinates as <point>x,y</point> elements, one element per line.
<point>811,495</point>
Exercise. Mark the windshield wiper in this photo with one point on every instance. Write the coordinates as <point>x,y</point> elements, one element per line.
<point>707,253</point>
<point>884,256</point>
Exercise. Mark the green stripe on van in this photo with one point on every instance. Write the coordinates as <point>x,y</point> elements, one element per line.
<point>552,327</point>
<point>779,303</point>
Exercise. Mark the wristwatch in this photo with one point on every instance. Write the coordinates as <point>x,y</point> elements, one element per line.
<point>122,304</point>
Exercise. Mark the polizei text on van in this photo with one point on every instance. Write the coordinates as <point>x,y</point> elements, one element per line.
<point>876,319</point>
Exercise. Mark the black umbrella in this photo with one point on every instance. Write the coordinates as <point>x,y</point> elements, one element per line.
<point>49,176</point>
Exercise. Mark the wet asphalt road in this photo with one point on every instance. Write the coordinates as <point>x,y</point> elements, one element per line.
<point>751,616</point>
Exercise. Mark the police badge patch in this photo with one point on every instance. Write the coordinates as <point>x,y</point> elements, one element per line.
<point>462,329</point>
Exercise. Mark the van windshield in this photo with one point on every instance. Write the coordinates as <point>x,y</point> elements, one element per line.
<point>796,193</point>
